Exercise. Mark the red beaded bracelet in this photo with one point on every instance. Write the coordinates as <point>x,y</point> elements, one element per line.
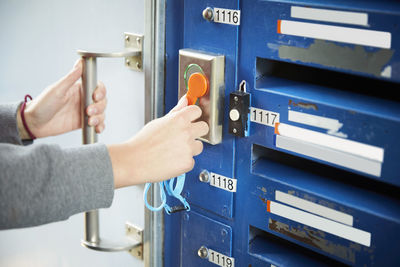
<point>33,137</point>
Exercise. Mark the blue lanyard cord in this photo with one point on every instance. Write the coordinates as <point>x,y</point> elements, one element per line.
<point>162,195</point>
<point>172,191</point>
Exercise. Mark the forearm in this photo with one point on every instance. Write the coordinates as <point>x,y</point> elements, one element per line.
<point>45,183</point>
<point>10,126</point>
<point>126,165</point>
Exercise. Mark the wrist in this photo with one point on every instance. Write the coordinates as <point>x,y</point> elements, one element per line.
<point>124,165</point>
<point>24,120</point>
<point>23,134</point>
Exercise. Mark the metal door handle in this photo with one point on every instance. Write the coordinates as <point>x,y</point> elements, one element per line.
<point>126,53</point>
<point>92,238</point>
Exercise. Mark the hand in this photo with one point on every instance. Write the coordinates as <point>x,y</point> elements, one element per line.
<point>163,149</point>
<point>57,109</point>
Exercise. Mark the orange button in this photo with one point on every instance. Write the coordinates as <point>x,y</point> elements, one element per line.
<point>197,87</point>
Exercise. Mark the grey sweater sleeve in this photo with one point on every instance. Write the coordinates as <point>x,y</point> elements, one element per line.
<point>44,183</point>
<point>8,124</point>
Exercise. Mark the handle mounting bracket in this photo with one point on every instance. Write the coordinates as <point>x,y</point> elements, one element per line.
<point>134,42</point>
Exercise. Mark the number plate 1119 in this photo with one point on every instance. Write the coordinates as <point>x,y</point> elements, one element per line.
<point>220,259</point>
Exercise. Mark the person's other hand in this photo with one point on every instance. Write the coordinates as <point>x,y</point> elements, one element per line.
<point>163,149</point>
<point>57,109</point>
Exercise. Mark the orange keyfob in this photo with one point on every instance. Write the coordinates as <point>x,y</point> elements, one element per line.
<point>197,87</point>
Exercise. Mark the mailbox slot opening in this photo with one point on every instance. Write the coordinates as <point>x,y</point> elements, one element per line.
<point>268,163</point>
<point>276,74</point>
<point>272,249</point>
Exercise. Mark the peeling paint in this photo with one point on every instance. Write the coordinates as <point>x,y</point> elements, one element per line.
<point>315,239</point>
<point>303,105</point>
<point>330,54</point>
<point>264,200</point>
<point>264,189</point>
<point>325,203</point>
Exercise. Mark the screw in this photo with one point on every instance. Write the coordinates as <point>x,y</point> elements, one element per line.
<point>234,130</point>
<point>203,252</point>
<point>127,39</point>
<point>138,40</point>
<point>139,253</point>
<point>224,232</point>
<point>225,210</point>
<point>236,98</point>
<point>138,65</point>
<point>208,14</point>
<point>128,62</point>
<point>204,176</point>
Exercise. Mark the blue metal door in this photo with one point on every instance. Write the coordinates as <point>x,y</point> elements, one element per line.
<point>307,171</point>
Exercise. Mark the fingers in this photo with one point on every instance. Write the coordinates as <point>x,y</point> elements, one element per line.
<point>96,110</point>
<point>183,102</point>
<point>197,147</point>
<point>100,128</point>
<point>100,101</point>
<point>191,113</point>
<point>199,129</point>
<point>96,120</point>
<point>70,79</point>
<point>99,93</point>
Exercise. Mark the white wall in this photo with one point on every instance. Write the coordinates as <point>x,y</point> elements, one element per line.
<point>38,43</point>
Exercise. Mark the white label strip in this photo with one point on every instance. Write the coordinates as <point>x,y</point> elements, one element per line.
<point>337,143</point>
<point>266,117</point>
<point>227,16</point>
<point>222,182</point>
<point>220,259</point>
<point>336,33</point>
<point>328,15</point>
<point>329,155</point>
<point>314,120</point>
<point>314,208</point>
<point>323,224</point>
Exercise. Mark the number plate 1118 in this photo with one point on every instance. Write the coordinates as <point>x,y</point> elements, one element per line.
<point>222,182</point>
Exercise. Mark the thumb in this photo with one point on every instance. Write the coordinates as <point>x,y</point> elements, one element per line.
<point>183,102</point>
<point>70,79</point>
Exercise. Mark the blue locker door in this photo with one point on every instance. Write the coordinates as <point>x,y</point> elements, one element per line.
<point>187,29</point>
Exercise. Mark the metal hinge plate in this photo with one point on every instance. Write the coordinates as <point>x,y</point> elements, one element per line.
<point>135,233</point>
<point>134,41</point>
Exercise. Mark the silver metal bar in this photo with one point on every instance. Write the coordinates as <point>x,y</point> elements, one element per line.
<point>92,238</point>
<point>126,53</point>
<point>148,55</point>
<point>89,136</point>
<point>89,83</point>
<point>92,234</point>
<point>159,58</point>
<point>154,54</point>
